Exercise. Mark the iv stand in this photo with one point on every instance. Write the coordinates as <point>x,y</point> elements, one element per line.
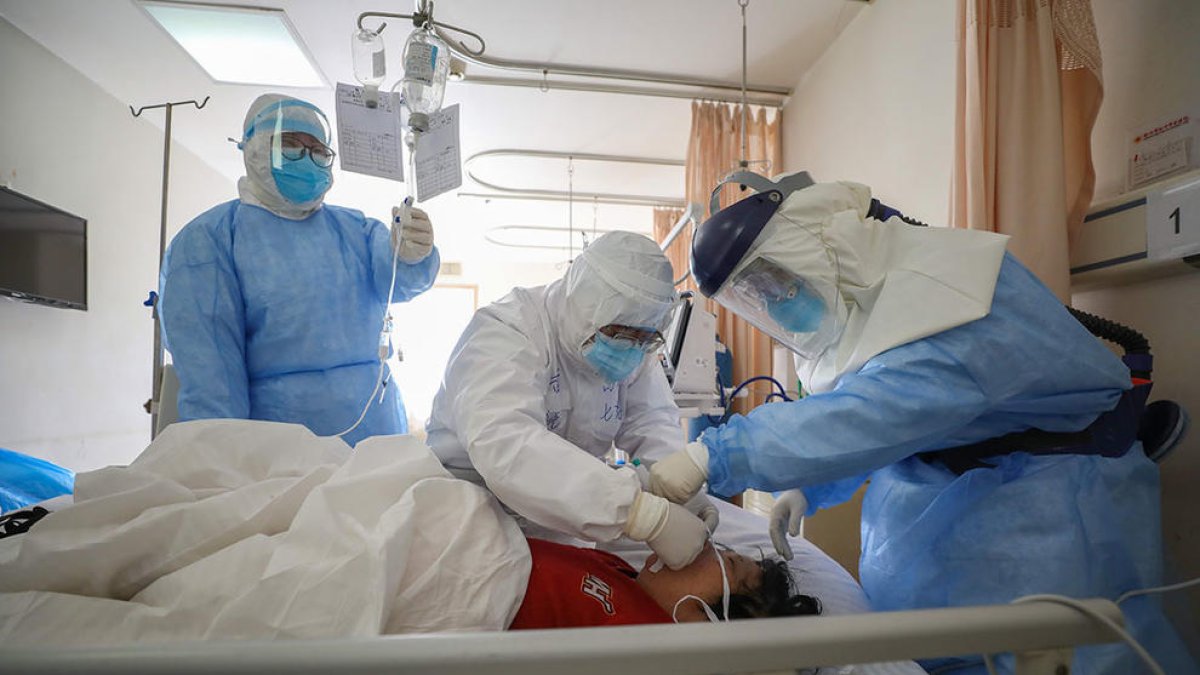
<point>156,374</point>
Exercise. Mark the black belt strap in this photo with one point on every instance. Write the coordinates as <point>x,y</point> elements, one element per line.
<point>1110,435</point>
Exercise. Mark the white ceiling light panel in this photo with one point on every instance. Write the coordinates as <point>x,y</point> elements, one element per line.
<point>239,45</point>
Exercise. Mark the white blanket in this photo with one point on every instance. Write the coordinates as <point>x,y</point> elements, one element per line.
<point>253,530</point>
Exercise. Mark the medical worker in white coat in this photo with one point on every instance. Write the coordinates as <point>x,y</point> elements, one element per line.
<point>545,381</point>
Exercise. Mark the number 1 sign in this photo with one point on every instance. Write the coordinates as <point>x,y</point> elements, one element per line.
<point>1173,222</point>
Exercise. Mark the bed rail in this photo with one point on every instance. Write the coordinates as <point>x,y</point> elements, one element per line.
<point>1042,635</point>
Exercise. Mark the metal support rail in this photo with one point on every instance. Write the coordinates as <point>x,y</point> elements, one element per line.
<point>505,192</point>
<point>696,87</point>
<point>763,94</point>
<point>740,646</point>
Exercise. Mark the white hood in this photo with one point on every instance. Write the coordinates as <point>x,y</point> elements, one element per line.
<point>898,282</point>
<point>257,187</point>
<point>621,278</point>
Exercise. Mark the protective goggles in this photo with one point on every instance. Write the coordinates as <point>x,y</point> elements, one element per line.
<point>627,337</point>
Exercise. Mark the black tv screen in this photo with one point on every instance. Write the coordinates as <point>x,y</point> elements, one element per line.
<point>43,252</point>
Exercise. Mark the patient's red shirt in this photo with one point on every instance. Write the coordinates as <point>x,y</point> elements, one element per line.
<point>572,587</point>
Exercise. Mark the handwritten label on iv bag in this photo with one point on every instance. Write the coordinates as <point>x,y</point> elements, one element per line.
<point>1173,222</point>
<point>439,162</point>
<point>369,139</point>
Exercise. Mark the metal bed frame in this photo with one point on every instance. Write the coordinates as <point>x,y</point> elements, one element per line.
<point>1041,635</point>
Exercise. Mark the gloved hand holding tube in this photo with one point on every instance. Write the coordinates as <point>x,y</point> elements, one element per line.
<point>681,475</point>
<point>699,505</point>
<point>670,530</point>
<point>786,517</point>
<point>412,233</point>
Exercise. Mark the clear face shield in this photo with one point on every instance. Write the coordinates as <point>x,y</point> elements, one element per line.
<point>296,130</point>
<point>292,138</point>
<point>805,314</point>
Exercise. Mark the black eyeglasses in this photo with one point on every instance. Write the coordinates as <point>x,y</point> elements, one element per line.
<point>294,149</point>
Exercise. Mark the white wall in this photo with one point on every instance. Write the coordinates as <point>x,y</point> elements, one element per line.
<point>72,383</point>
<point>878,108</point>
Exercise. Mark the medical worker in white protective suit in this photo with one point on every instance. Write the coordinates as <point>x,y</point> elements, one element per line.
<point>545,381</point>
<point>918,340</point>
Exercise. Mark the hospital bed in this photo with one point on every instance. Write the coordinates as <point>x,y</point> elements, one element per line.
<point>1042,636</point>
<point>845,633</point>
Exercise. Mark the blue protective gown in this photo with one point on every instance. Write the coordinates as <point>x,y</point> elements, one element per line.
<point>1083,526</point>
<point>275,319</point>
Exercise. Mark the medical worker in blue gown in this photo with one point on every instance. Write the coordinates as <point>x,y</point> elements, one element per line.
<point>911,340</point>
<point>272,304</point>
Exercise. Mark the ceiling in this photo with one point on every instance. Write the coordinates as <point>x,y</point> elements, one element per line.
<point>116,45</point>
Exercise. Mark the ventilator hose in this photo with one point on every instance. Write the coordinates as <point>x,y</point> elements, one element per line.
<point>912,221</point>
<point>880,211</point>
<point>1130,340</point>
<point>1134,343</point>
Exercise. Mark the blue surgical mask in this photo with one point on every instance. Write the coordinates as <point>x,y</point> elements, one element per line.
<point>614,360</point>
<point>301,181</point>
<point>800,311</point>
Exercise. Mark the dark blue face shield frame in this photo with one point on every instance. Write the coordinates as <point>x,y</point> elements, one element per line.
<point>722,241</point>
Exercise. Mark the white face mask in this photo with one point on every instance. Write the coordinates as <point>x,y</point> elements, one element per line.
<point>712,616</point>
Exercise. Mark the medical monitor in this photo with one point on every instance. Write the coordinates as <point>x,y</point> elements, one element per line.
<point>690,351</point>
<point>43,252</point>
<point>675,333</point>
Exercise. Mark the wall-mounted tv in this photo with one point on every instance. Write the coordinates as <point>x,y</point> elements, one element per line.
<point>43,252</point>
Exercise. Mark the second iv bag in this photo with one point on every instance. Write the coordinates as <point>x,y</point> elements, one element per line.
<point>370,65</point>
<point>426,65</point>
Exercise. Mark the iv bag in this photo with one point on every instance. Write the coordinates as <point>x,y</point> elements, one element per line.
<point>370,65</point>
<point>426,65</point>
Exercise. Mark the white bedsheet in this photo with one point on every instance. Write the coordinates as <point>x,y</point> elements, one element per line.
<point>255,530</point>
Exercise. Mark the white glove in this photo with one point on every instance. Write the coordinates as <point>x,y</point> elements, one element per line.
<point>700,505</point>
<point>681,474</point>
<point>412,234</point>
<point>786,515</point>
<point>671,532</point>
<point>703,508</point>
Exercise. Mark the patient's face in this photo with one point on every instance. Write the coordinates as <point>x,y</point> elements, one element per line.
<point>702,578</point>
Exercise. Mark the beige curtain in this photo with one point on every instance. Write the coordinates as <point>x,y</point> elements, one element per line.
<point>1029,89</point>
<point>714,148</point>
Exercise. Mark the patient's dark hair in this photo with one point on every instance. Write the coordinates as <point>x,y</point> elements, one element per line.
<point>774,596</point>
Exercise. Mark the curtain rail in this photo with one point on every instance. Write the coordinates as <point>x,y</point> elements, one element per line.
<point>504,192</point>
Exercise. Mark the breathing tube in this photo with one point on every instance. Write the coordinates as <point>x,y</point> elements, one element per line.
<point>880,211</point>
<point>1136,346</point>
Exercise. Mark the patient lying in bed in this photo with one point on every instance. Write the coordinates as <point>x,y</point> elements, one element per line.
<point>572,587</point>
<point>228,529</point>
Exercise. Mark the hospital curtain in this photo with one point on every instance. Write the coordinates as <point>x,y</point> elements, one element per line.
<point>664,219</point>
<point>1029,89</point>
<point>714,148</point>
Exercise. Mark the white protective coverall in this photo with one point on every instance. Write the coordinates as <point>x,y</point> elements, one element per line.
<point>521,411</point>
